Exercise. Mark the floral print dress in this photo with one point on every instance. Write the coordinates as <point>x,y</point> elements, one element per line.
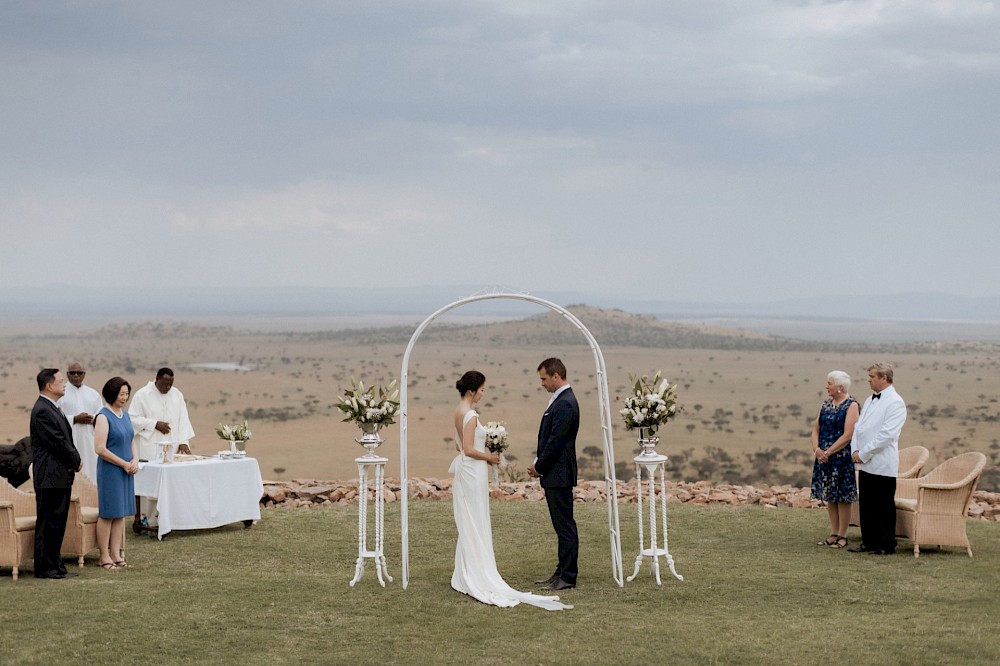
<point>834,480</point>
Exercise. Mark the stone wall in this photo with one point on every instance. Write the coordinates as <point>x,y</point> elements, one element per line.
<point>308,493</point>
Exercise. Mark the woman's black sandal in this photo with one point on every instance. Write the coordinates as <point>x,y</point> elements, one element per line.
<point>841,542</point>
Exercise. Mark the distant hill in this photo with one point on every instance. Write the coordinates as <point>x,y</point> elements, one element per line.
<point>611,327</point>
<point>623,329</point>
<point>71,300</point>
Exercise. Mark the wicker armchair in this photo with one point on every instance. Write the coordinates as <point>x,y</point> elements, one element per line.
<point>931,509</point>
<point>81,525</point>
<point>17,526</point>
<point>911,461</point>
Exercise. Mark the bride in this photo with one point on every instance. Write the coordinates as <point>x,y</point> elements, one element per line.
<point>475,564</point>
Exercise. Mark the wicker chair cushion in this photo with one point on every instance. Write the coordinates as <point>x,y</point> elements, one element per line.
<point>906,504</point>
<point>24,523</point>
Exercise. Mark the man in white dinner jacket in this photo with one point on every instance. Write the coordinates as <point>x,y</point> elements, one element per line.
<point>875,452</point>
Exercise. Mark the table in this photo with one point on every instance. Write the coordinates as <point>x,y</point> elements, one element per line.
<point>365,463</point>
<point>202,494</point>
<point>652,464</point>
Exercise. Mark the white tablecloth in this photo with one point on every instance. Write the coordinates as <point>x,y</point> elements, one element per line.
<point>202,493</point>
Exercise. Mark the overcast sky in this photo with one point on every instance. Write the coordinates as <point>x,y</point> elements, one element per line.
<point>702,150</point>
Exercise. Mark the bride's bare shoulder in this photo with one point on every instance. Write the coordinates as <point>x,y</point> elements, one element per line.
<point>462,413</point>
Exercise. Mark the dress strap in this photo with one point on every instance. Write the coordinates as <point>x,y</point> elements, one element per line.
<point>465,421</point>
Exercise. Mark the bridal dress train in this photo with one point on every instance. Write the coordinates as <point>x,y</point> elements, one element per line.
<point>475,564</point>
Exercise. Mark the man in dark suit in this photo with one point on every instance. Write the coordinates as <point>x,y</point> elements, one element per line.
<point>555,467</point>
<point>55,463</point>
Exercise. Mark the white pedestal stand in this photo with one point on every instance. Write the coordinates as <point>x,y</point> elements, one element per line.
<point>653,464</point>
<point>365,463</point>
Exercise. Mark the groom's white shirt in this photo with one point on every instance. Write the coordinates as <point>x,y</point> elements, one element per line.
<point>876,435</point>
<point>555,394</point>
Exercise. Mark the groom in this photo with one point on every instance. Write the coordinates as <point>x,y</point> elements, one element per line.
<point>555,467</point>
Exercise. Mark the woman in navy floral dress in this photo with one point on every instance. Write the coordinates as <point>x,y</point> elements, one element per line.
<point>833,479</point>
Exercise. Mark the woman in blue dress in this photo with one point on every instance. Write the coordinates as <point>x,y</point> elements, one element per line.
<point>833,479</point>
<point>117,463</point>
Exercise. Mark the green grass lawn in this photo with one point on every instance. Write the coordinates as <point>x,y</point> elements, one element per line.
<point>756,591</point>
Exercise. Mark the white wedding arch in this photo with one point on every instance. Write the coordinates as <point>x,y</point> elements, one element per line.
<point>605,409</point>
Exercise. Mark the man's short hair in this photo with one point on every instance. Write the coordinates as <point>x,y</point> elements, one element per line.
<point>553,367</point>
<point>164,371</point>
<point>46,377</point>
<point>883,370</point>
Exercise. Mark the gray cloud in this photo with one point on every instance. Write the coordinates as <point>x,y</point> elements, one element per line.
<point>730,149</point>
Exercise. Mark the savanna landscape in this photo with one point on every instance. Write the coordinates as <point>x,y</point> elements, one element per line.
<point>748,399</point>
<point>279,593</point>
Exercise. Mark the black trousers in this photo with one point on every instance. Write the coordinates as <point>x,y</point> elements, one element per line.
<point>51,513</point>
<point>877,510</point>
<point>560,502</point>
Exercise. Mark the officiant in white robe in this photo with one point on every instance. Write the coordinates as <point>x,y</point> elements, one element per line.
<point>80,404</point>
<point>158,414</point>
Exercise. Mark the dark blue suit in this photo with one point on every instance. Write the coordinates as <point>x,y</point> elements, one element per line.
<point>54,464</point>
<point>556,465</point>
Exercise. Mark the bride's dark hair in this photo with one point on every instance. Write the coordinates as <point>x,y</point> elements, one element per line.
<point>470,381</point>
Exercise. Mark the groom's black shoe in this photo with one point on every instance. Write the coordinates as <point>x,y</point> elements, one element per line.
<point>560,585</point>
<point>860,549</point>
<point>547,581</point>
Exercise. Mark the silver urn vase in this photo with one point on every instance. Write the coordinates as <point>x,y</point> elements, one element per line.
<point>369,438</point>
<point>648,441</point>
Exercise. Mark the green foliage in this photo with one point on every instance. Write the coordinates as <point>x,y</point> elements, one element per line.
<point>757,590</point>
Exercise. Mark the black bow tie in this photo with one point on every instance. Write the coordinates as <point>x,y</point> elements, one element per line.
<point>876,396</point>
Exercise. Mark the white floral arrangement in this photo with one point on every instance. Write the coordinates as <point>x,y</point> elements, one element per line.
<point>238,432</point>
<point>361,404</point>
<point>651,404</point>
<point>496,437</point>
<point>496,442</point>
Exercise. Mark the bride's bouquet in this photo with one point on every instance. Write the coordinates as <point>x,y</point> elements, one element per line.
<point>496,442</point>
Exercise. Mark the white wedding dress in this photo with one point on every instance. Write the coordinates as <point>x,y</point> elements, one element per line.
<point>475,564</point>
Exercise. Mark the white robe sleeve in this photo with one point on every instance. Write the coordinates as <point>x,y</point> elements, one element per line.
<point>185,431</point>
<point>136,411</point>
